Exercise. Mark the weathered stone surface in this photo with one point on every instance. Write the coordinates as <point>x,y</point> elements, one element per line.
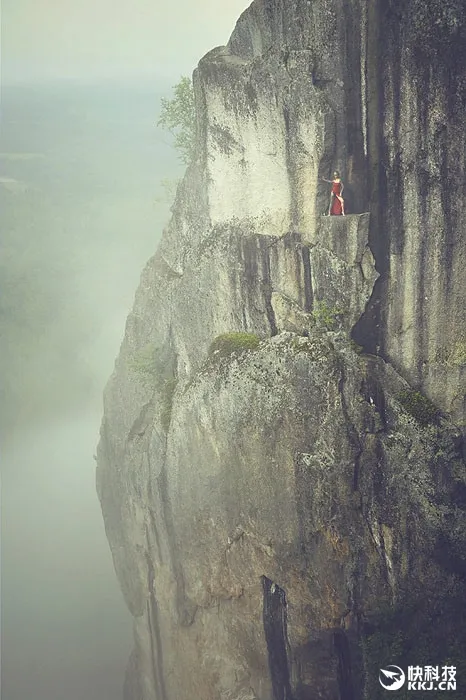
<point>343,268</point>
<point>297,463</point>
<point>259,284</point>
<point>262,509</point>
<point>415,96</point>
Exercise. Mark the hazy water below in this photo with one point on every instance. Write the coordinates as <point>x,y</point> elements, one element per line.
<point>79,217</point>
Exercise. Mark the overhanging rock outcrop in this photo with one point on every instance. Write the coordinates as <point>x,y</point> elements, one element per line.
<point>274,512</point>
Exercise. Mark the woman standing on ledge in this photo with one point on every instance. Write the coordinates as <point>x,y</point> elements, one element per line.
<point>337,203</point>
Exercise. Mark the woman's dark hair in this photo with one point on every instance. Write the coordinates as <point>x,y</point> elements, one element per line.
<point>337,173</point>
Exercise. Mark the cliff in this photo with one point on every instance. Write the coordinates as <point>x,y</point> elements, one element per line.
<point>281,458</point>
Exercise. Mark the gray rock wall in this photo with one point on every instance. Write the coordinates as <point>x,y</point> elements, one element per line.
<point>261,506</point>
<point>376,90</point>
<point>415,97</point>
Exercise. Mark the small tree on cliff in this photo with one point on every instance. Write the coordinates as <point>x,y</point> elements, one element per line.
<point>178,116</point>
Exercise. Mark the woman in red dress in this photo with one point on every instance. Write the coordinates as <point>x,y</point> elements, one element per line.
<point>337,203</point>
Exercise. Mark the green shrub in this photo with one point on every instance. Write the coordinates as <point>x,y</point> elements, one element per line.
<point>178,116</point>
<point>325,315</point>
<point>229,343</point>
<point>418,406</point>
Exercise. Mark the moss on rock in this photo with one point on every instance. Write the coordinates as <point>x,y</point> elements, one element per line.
<point>418,406</point>
<point>228,343</point>
<point>326,316</point>
<point>458,353</point>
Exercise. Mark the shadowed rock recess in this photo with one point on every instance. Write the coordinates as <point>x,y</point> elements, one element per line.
<point>287,514</point>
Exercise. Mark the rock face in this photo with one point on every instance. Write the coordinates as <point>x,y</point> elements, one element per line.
<point>415,92</point>
<point>277,509</point>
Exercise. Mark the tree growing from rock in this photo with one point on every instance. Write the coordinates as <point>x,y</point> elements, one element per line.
<point>178,116</point>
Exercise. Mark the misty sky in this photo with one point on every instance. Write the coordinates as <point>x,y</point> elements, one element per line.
<point>79,217</point>
<point>90,40</point>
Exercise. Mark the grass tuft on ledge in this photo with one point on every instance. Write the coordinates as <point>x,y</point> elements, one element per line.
<point>229,343</point>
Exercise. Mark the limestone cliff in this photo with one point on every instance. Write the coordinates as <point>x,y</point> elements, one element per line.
<point>278,499</point>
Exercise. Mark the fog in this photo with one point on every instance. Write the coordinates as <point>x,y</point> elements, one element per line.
<point>81,211</point>
<point>110,39</point>
<point>79,219</point>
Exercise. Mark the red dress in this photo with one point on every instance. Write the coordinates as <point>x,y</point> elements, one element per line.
<point>337,204</point>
